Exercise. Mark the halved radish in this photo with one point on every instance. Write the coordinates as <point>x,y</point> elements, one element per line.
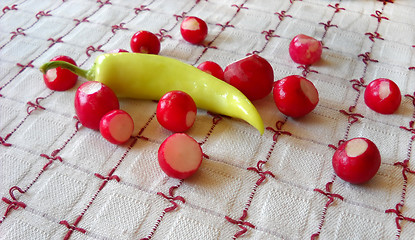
<point>180,156</point>
<point>116,126</point>
<point>357,160</point>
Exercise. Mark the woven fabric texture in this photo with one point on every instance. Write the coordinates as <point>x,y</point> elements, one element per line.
<point>60,180</point>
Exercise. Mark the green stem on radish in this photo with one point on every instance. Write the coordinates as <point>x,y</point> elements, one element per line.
<point>87,74</point>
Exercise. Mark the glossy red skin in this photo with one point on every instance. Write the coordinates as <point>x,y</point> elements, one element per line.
<point>172,110</point>
<point>387,105</point>
<point>302,53</point>
<point>145,42</point>
<point>194,36</point>
<point>65,79</point>
<point>253,76</point>
<point>105,123</point>
<point>90,108</point>
<point>167,169</point>
<point>212,68</point>
<point>290,99</point>
<point>360,169</point>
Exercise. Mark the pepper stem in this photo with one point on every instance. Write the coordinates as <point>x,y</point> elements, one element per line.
<point>73,68</point>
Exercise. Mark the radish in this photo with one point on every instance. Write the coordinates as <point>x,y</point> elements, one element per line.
<point>176,111</point>
<point>92,101</point>
<point>357,160</point>
<point>212,68</point>
<point>180,156</point>
<point>60,79</point>
<point>304,49</point>
<point>145,42</point>
<point>116,126</point>
<point>194,30</point>
<point>383,96</point>
<point>295,96</point>
<point>252,75</point>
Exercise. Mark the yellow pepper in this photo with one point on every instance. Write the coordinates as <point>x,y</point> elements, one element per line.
<point>148,76</point>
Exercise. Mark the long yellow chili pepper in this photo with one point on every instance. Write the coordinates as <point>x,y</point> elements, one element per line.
<point>148,76</point>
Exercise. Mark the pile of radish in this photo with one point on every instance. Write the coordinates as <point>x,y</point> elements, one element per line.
<point>180,156</point>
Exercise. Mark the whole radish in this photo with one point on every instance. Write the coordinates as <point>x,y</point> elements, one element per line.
<point>295,96</point>
<point>176,111</point>
<point>357,160</point>
<point>194,30</point>
<point>116,126</point>
<point>60,79</point>
<point>212,68</point>
<point>145,42</point>
<point>383,96</point>
<point>180,156</point>
<point>252,75</point>
<point>92,101</point>
<point>304,49</point>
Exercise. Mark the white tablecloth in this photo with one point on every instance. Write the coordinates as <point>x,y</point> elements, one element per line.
<point>61,180</point>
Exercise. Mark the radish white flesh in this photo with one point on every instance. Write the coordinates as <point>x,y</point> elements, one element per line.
<point>309,91</point>
<point>356,147</point>
<point>117,126</point>
<point>180,156</point>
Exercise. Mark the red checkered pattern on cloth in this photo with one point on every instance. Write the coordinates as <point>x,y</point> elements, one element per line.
<point>59,180</point>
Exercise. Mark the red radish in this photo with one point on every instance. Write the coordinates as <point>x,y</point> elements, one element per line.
<point>176,111</point>
<point>116,126</point>
<point>295,96</point>
<point>60,79</point>
<point>252,75</point>
<point>92,101</point>
<point>180,156</point>
<point>305,49</point>
<point>212,68</point>
<point>145,42</point>
<point>194,30</point>
<point>383,96</point>
<point>357,160</point>
<point>119,50</point>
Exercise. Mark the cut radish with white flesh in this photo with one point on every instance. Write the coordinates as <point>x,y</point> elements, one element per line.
<point>304,49</point>
<point>92,101</point>
<point>194,30</point>
<point>180,156</point>
<point>357,160</point>
<point>176,111</point>
<point>383,96</point>
<point>60,79</point>
<point>295,96</point>
<point>116,126</point>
